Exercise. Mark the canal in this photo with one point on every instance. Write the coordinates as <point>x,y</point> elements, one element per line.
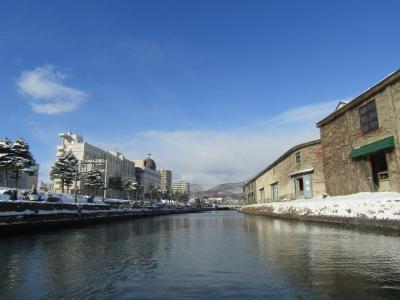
<point>204,256</point>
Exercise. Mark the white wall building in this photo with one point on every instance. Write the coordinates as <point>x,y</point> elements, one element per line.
<point>166,180</point>
<point>90,157</point>
<point>181,187</point>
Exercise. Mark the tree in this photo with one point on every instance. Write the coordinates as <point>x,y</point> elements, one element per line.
<point>21,158</point>
<point>6,158</point>
<point>115,183</point>
<point>180,197</point>
<point>150,191</point>
<point>93,181</point>
<point>65,169</point>
<point>166,194</point>
<point>129,187</point>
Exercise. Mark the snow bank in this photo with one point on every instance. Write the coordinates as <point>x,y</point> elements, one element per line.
<point>377,206</point>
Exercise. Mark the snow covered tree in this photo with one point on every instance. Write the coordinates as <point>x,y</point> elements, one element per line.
<point>94,181</point>
<point>6,158</point>
<point>65,169</point>
<point>130,187</point>
<point>21,158</point>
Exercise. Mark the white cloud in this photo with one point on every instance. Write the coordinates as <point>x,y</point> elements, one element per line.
<point>213,157</point>
<point>47,92</point>
<point>307,113</point>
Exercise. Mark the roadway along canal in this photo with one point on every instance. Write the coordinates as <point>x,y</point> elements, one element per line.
<point>208,255</point>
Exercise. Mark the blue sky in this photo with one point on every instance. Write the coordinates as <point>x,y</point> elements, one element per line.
<point>213,89</point>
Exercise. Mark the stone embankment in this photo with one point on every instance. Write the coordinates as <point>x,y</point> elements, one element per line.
<point>380,210</point>
<point>21,216</point>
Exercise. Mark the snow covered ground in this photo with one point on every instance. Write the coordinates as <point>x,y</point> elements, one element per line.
<point>378,206</point>
<point>64,198</point>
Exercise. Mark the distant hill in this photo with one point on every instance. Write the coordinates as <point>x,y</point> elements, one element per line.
<point>225,190</point>
<point>194,188</point>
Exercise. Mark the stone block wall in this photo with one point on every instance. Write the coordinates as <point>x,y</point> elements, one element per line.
<point>344,175</point>
<point>311,158</point>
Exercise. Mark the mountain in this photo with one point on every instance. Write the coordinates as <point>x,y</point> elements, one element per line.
<point>195,188</point>
<point>225,190</point>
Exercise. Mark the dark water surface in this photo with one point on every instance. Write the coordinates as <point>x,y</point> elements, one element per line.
<point>207,256</point>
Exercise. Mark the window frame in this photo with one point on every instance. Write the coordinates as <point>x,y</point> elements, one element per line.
<point>297,157</point>
<point>368,115</point>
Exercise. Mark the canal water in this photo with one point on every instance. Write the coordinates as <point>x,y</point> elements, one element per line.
<point>215,255</point>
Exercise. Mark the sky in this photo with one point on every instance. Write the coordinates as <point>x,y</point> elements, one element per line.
<point>214,90</point>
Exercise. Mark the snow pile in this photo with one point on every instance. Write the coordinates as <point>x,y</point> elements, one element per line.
<point>379,206</point>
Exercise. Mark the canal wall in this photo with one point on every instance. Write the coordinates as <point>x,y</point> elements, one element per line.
<point>380,210</point>
<point>22,216</point>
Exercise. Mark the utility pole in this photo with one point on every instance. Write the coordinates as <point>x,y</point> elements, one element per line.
<point>76,182</point>
<point>105,178</point>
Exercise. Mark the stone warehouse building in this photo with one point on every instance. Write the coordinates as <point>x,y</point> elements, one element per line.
<point>298,173</point>
<point>360,141</point>
<point>250,191</point>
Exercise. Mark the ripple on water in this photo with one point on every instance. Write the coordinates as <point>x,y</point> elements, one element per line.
<point>217,255</point>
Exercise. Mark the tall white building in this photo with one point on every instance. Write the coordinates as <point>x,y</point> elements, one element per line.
<point>181,187</point>
<point>166,180</point>
<point>90,157</point>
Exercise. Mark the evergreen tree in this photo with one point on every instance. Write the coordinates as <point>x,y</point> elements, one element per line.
<point>150,191</point>
<point>180,197</point>
<point>93,181</point>
<point>21,158</point>
<point>115,183</point>
<point>65,169</point>
<point>166,194</point>
<point>130,187</point>
<point>6,158</point>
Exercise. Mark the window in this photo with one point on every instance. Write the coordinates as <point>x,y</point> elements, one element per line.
<point>298,157</point>
<point>369,117</point>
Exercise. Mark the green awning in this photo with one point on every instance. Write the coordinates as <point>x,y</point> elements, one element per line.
<point>386,143</point>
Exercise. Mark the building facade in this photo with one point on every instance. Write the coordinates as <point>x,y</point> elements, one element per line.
<point>181,187</point>
<point>360,141</point>
<point>249,189</point>
<point>296,174</point>
<point>165,180</point>
<point>111,163</point>
<point>28,179</point>
<point>147,173</point>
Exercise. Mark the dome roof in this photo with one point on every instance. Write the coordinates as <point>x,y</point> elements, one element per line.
<point>149,163</point>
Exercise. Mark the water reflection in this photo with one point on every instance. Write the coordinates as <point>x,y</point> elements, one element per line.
<point>212,255</point>
<point>338,262</point>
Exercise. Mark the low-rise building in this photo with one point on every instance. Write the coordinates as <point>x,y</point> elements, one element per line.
<point>298,173</point>
<point>360,141</point>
